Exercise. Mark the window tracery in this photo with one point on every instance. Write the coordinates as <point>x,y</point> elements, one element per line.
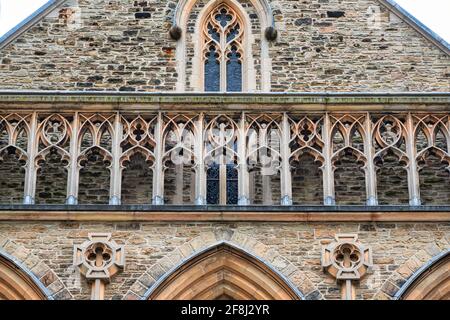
<point>215,156</point>
<point>223,35</point>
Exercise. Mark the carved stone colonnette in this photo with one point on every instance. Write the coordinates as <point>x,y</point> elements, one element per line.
<point>99,259</point>
<point>270,141</point>
<point>347,260</point>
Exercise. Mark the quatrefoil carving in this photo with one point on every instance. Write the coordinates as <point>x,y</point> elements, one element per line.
<point>99,257</point>
<point>346,258</point>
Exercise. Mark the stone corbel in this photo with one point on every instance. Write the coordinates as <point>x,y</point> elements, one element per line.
<point>347,260</point>
<point>271,33</point>
<point>99,259</point>
<point>175,32</point>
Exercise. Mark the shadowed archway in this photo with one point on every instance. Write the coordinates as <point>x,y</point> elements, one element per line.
<point>223,272</point>
<point>16,284</point>
<point>431,282</point>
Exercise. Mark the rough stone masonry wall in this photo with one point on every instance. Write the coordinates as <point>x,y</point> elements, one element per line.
<point>264,186</point>
<point>185,193</point>
<point>392,182</point>
<point>94,180</point>
<point>137,179</point>
<point>146,244</point>
<point>435,182</point>
<point>328,45</point>
<point>51,182</point>
<point>12,179</point>
<point>307,185</point>
<point>349,181</point>
<point>323,45</point>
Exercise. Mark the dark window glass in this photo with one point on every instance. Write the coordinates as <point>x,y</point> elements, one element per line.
<point>232,33</point>
<point>212,70</point>
<point>212,185</point>
<point>232,184</point>
<point>213,32</point>
<point>223,17</point>
<point>223,68</point>
<point>234,71</point>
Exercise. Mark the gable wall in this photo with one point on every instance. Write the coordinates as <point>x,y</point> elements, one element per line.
<point>124,45</point>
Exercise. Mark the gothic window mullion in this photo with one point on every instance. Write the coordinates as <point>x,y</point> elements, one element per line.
<point>223,65</point>
<point>222,52</point>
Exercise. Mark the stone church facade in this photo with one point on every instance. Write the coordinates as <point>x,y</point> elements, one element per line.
<point>224,149</point>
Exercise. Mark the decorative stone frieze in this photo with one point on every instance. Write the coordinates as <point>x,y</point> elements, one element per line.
<point>347,260</point>
<point>258,153</point>
<point>99,259</point>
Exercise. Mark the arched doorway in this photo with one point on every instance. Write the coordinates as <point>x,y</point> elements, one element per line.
<point>223,272</point>
<point>16,284</point>
<point>432,282</point>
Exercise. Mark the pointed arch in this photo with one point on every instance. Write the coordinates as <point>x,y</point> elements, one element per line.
<point>184,7</point>
<point>223,271</point>
<point>18,283</point>
<point>431,282</point>
<point>195,80</point>
<point>244,40</point>
<point>299,281</point>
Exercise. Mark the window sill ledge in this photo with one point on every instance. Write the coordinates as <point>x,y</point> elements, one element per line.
<point>189,213</point>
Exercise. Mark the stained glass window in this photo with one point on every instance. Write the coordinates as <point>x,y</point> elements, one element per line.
<point>222,50</point>
<point>232,184</point>
<point>234,71</point>
<point>212,70</point>
<point>213,185</point>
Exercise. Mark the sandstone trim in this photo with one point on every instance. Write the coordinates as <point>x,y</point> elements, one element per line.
<point>44,277</point>
<point>396,284</point>
<point>161,101</point>
<point>142,288</point>
<point>279,216</point>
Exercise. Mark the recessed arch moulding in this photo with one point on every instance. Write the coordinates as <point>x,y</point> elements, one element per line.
<point>430,282</point>
<point>184,8</point>
<point>222,272</point>
<point>16,284</point>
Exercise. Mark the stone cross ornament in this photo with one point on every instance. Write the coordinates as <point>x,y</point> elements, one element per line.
<point>347,260</point>
<point>99,259</point>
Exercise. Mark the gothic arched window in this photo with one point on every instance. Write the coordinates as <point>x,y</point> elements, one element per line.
<point>222,50</point>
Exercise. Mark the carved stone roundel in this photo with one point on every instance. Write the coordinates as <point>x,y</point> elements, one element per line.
<point>346,258</point>
<point>99,257</point>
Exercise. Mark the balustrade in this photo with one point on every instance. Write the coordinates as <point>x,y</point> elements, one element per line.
<point>238,158</point>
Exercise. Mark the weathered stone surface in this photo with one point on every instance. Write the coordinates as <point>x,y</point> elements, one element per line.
<point>51,184</point>
<point>349,181</point>
<point>12,182</point>
<point>389,288</point>
<point>123,41</point>
<point>307,181</point>
<point>434,181</point>
<point>94,180</point>
<point>125,46</point>
<point>62,295</point>
<point>275,243</point>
